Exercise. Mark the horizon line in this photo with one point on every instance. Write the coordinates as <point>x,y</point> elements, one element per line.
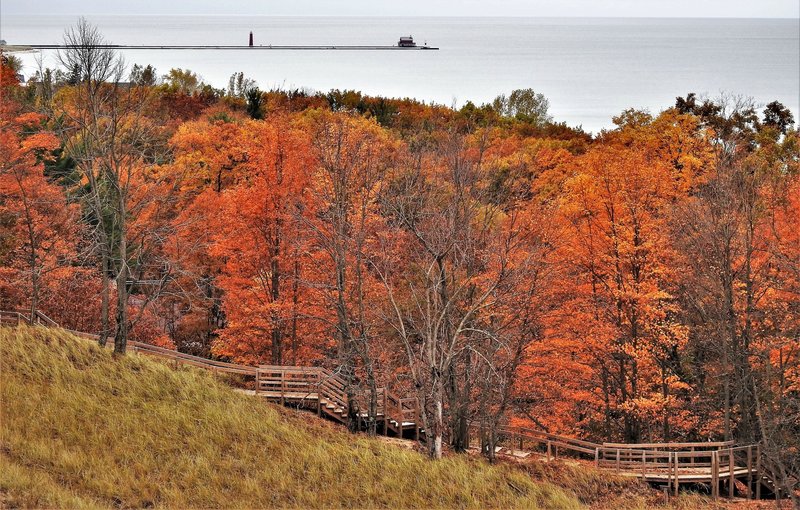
<point>394,16</point>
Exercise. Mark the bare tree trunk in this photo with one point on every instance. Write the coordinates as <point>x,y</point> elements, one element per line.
<point>295,300</point>
<point>104,299</point>
<point>35,281</point>
<point>372,411</point>
<point>121,334</point>
<point>460,400</point>
<point>438,416</point>
<point>275,291</point>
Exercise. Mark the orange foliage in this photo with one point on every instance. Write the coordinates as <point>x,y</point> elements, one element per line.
<point>38,227</point>
<point>294,238</point>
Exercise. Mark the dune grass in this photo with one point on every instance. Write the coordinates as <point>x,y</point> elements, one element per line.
<point>82,429</point>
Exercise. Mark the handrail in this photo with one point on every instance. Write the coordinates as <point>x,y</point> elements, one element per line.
<point>650,446</point>
<point>42,317</point>
<point>552,437</point>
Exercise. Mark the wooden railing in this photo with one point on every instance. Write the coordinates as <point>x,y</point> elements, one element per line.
<point>13,318</point>
<point>674,466</point>
<point>521,438</point>
<point>666,464</point>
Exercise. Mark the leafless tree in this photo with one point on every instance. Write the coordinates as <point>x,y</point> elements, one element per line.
<point>462,258</point>
<point>106,131</point>
<point>352,160</point>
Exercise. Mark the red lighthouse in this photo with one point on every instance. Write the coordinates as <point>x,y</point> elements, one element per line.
<point>251,38</point>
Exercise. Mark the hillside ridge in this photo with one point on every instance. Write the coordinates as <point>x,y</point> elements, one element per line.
<point>82,429</point>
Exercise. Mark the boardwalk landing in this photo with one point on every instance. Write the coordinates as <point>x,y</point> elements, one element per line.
<point>714,465</point>
<point>670,465</point>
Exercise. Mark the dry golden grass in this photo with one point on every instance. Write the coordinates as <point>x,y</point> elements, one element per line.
<point>81,429</point>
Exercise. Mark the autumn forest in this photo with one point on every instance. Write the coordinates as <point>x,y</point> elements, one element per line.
<point>639,284</point>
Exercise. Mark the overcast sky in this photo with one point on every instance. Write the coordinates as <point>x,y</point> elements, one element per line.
<point>567,8</point>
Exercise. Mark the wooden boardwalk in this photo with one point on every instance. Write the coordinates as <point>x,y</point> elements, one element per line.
<point>715,465</point>
<point>313,388</point>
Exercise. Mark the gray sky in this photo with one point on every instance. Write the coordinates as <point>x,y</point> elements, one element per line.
<point>566,8</point>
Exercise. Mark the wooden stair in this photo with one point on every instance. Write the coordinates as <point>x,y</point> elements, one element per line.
<point>320,389</point>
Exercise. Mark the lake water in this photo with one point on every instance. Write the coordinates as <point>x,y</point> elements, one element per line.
<point>590,69</point>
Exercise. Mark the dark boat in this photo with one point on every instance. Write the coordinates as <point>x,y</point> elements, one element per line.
<point>407,42</point>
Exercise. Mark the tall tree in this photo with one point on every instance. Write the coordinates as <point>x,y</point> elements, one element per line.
<point>107,133</point>
<point>353,155</point>
<point>39,227</point>
<point>259,241</point>
<point>458,266</point>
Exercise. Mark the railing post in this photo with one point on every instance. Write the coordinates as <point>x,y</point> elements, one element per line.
<point>731,473</point>
<point>669,470</point>
<point>549,447</point>
<point>319,392</point>
<point>283,382</point>
<point>258,380</point>
<point>386,412</point>
<point>715,474</point>
<point>758,471</point>
<point>617,460</point>
<point>677,478</point>
<point>644,464</point>
<point>416,418</point>
<point>597,457</point>
<point>749,471</point>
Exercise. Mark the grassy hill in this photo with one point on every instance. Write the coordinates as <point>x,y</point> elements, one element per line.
<point>81,429</point>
